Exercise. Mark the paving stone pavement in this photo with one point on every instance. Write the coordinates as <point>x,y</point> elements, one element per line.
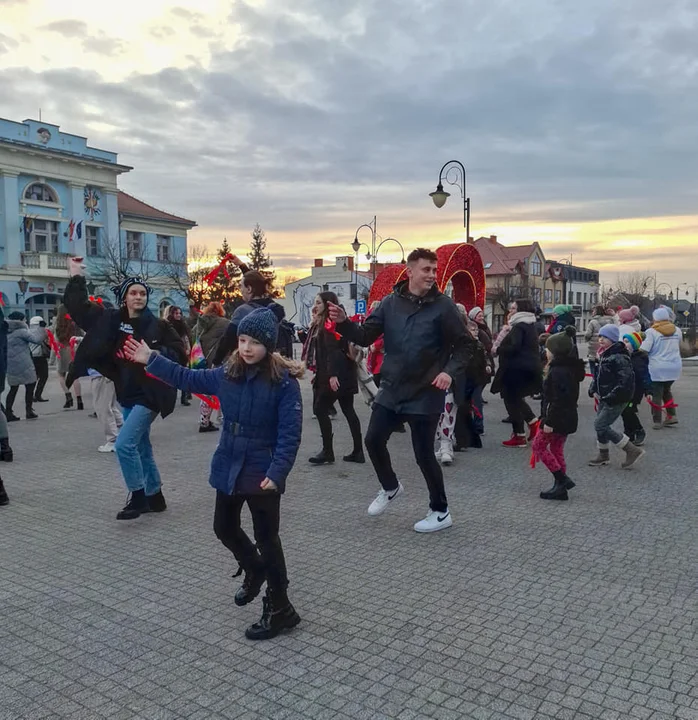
<point>524,609</point>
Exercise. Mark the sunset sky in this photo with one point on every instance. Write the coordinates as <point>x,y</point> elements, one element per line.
<point>576,121</point>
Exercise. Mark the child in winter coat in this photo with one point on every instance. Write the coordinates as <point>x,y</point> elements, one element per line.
<point>613,389</point>
<point>632,426</point>
<point>261,402</point>
<point>559,418</point>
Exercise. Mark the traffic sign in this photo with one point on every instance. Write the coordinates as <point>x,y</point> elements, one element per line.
<point>361,307</point>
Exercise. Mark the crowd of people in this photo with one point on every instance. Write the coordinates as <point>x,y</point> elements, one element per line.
<point>427,364</point>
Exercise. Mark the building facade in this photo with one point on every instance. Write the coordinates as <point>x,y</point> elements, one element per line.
<point>579,288</point>
<point>59,198</point>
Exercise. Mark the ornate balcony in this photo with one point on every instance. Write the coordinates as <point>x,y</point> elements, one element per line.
<point>45,263</point>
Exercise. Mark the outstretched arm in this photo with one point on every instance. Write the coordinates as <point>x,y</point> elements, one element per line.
<point>85,314</point>
<point>364,335</point>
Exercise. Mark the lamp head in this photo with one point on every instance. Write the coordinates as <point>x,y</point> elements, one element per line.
<point>23,284</point>
<point>439,196</point>
<point>356,245</point>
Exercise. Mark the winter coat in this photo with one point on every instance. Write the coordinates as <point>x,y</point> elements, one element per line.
<point>663,345</point>
<point>40,347</point>
<point>263,423</point>
<point>106,331</point>
<point>209,331</point>
<point>592,334</point>
<point>561,394</point>
<point>629,328</point>
<point>3,350</point>
<point>561,322</point>
<point>20,367</point>
<point>641,369</point>
<point>520,370</point>
<point>230,338</point>
<point>423,337</point>
<point>474,376</point>
<point>332,360</point>
<point>614,382</point>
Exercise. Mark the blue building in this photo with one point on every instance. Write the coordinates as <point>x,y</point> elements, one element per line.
<point>59,198</point>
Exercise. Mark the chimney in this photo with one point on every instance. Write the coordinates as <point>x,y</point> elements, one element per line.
<point>350,263</point>
<point>318,262</point>
<point>470,241</point>
<point>493,239</point>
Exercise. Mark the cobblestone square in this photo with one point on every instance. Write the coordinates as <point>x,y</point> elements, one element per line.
<point>523,609</point>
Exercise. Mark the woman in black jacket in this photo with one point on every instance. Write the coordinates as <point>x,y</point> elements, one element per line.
<point>326,354</point>
<point>559,416</point>
<point>142,397</point>
<point>520,372</point>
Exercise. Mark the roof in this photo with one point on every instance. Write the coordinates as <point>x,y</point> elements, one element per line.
<point>500,259</point>
<point>129,205</point>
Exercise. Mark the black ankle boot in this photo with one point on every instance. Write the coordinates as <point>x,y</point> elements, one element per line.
<point>324,457</point>
<point>357,456</point>
<point>251,585</point>
<point>68,401</point>
<point>559,490</point>
<point>277,615</point>
<point>31,415</point>
<point>80,405</point>
<point>11,417</point>
<point>136,505</point>
<point>3,495</point>
<point>156,503</point>
<point>6,454</point>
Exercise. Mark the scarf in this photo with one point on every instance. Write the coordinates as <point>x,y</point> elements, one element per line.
<point>528,318</point>
<point>309,348</point>
<point>665,327</point>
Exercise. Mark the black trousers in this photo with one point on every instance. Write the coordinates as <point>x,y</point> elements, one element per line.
<point>41,367</point>
<point>28,397</point>
<point>423,428</point>
<point>518,409</point>
<point>631,421</point>
<point>268,555</point>
<point>323,400</point>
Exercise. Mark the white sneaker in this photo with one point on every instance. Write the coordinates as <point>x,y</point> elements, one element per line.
<point>107,447</point>
<point>434,521</point>
<point>446,457</point>
<point>380,504</point>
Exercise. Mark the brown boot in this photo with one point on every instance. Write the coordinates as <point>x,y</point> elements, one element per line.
<point>632,453</point>
<point>602,458</point>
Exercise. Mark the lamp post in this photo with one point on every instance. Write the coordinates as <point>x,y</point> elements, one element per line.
<point>455,175</point>
<point>23,285</point>
<point>656,288</point>
<point>356,244</point>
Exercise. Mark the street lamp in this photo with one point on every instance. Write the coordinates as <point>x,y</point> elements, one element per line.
<point>455,175</point>
<point>357,244</point>
<point>23,284</point>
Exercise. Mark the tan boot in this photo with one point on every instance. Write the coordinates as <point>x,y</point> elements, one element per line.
<point>632,453</point>
<point>671,420</point>
<point>602,458</point>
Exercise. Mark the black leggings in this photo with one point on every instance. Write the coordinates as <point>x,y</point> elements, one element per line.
<point>268,555</point>
<point>518,409</point>
<point>12,394</point>
<point>41,367</point>
<point>322,402</point>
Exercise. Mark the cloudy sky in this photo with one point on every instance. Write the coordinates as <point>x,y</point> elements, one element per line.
<point>576,121</point>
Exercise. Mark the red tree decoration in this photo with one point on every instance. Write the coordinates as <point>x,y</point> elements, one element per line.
<point>386,279</point>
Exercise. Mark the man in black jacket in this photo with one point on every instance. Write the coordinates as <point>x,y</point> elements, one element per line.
<point>426,346</point>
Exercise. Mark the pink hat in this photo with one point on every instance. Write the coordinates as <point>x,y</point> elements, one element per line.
<point>627,316</point>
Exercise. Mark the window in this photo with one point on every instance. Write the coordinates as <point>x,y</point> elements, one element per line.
<point>548,296</point>
<point>92,240</point>
<point>536,266</point>
<point>536,296</point>
<point>579,298</point>
<point>488,265</point>
<point>585,300</point>
<point>558,297</point>
<point>42,238</point>
<point>571,298</point>
<point>41,193</point>
<point>163,248</point>
<point>134,241</point>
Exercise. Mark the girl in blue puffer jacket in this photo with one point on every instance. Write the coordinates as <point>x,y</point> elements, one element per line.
<point>261,402</point>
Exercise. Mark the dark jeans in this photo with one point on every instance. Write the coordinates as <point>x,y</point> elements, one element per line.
<point>423,427</point>
<point>661,395</point>
<point>41,367</point>
<point>518,409</point>
<point>268,555</point>
<point>12,394</point>
<point>631,421</point>
<point>323,400</point>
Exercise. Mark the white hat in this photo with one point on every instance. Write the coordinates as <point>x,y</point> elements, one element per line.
<point>474,312</point>
<point>36,320</point>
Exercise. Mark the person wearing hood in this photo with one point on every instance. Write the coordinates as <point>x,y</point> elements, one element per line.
<point>20,368</point>
<point>426,347</point>
<point>562,317</point>
<point>663,345</point>
<point>520,372</point>
<point>254,288</point>
<point>559,416</point>
<point>613,388</point>
<point>598,320</point>
<point>41,352</point>
<point>141,396</point>
<point>209,331</point>
<point>173,315</point>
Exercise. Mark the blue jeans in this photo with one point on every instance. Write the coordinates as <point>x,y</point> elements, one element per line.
<point>605,417</point>
<point>478,419</point>
<point>135,452</point>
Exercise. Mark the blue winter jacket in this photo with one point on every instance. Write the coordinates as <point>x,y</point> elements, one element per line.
<point>262,429</point>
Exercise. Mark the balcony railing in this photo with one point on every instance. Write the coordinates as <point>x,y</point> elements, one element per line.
<point>45,261</point>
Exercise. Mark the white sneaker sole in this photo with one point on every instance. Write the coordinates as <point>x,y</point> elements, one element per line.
<point>381,510</point>
<point>435,528</point>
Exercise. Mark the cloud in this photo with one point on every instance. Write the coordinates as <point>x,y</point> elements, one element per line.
<point>322,114</point>
<point>7,43</point>
<point>102,44</point>
<point>67,28</point>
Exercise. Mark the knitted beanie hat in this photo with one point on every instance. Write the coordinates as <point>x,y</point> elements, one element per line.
<point>561,310</point>
<point>611,332</point>
<point>562,344</point>
<point>635,339</point>
<point>661,313</point>
<point>261,325</point>
<point>474,312</point>
<point>627,316</point>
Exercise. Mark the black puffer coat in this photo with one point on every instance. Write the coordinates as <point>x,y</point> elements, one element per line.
<point>106,331</point>
<point>332,360</point>
<point>520,369</point>
<point>615,380</point>
<point>561,394</point>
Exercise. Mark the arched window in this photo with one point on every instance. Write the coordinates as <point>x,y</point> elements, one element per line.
<point>164,304</point>
<point>40,192</point>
